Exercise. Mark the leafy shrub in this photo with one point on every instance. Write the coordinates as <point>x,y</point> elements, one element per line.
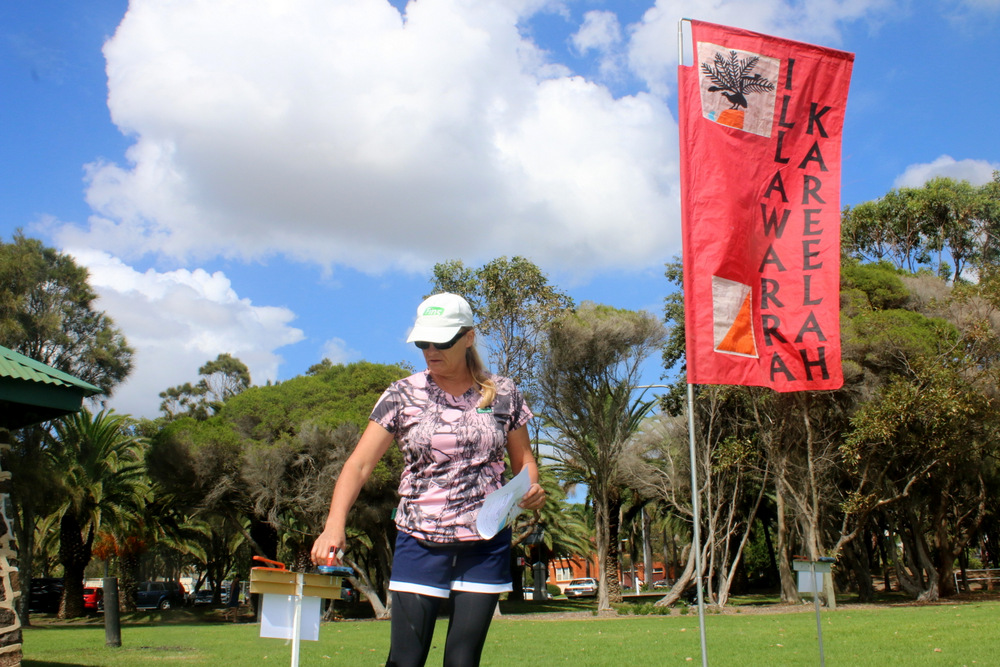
<point>644,609</point>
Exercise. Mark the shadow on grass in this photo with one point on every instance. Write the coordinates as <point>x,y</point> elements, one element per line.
<point>46,663</point>
<point>185,616</point>
<point>545,606</point>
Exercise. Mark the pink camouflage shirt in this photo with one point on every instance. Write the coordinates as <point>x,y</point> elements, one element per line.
<point>453,452</point>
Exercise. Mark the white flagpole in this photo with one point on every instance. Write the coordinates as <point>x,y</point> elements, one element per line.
<point>696,534</point>
<point>695,495</point>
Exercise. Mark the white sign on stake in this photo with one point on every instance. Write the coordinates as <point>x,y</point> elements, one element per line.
<point>805,586</point>
<point>277,618</point>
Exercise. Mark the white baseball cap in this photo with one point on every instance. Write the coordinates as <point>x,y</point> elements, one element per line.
<point>440,317</point>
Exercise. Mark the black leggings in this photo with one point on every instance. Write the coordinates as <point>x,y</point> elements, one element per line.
<point>413,618</point>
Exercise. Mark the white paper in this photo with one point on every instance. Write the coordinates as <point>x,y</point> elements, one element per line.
<point>500,507</point>
<point>277,617</point>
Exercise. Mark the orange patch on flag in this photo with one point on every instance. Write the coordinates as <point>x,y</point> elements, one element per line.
<point>740,340</point>
<point>732,317</point>
<point>732,118</point>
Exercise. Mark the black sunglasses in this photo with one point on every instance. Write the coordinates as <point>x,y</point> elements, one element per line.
<point>423,344</point>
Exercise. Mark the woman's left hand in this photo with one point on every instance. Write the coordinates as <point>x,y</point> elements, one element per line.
<point>534,498</point>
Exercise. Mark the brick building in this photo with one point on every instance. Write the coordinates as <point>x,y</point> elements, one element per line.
<point>564,570</point>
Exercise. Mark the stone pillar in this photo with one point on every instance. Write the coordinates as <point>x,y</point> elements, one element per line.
<point>10,589</point>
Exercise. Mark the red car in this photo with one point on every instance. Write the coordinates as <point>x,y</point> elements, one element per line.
<point>92,598</point>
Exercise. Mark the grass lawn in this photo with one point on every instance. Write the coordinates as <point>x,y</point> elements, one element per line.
<point>942,634</point>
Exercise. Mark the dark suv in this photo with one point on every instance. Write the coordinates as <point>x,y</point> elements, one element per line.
<point>159,595</point>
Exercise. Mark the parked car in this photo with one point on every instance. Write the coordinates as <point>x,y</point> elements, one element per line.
<point>580,588</point>
<point>689,595</point>
<point>159,595</point>
<point>205,594</point>
<point>348,593</point>
<point>201,596</point>
<point>93,598</point>
<point>45,595</point>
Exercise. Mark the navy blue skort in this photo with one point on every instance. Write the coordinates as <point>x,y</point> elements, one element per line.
<point>481,566</point>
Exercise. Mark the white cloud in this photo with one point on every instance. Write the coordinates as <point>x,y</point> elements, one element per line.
<point>600,31</point>
<point>340,132</point>
<point>338,351</point>
<point>987,5</point>
<point>652,51</point>
<point>336,132</point>
<point>976,172</point>
<point>178,320</point>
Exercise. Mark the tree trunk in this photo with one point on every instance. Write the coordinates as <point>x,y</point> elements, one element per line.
<point>919,577</point>
<point>74,554</point>
<point>771,555</point>
<point>946,574</point>
<point>857,561</point>
<point>951,541</point>
<point>24,533</point>
<point>364,584</point>
<point>683,581</point>
<point>789,589</point>
<point>647,549</point>
<point>601,536</point>
<point>128,570</point>
<point>383,554</point>
<point>611,560</point>
<point>24,463</point>
<point>726,584</point>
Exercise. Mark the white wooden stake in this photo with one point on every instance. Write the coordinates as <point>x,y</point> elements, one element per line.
<point>297,620</point>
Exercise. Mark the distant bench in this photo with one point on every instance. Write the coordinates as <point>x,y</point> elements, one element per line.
<point>987,576</point>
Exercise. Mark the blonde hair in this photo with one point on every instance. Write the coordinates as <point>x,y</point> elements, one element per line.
<point>480,376</point>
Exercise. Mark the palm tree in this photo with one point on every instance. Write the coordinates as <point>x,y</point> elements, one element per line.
<point>595,456</point>
<point>101,483</point>
<point>563,531</point>
<point>589,380</point>
<point>46,544</point>
<point>163,528</point>
<point>215,547</point>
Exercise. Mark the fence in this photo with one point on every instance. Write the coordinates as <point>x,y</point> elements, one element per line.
<point>986,578</point>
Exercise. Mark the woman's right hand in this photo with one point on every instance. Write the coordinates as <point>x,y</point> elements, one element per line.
<point>326,547</point>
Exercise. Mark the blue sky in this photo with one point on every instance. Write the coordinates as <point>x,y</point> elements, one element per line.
<point>276,180</point>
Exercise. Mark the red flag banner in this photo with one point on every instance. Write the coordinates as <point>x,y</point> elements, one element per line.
<point>760,128</point>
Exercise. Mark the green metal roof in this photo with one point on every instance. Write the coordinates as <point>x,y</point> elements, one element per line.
<point>32,392</point>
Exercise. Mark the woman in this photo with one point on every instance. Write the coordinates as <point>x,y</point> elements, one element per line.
<point>454,422</point>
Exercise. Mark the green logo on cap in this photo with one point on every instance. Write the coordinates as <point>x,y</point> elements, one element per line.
<point>434,310</point>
